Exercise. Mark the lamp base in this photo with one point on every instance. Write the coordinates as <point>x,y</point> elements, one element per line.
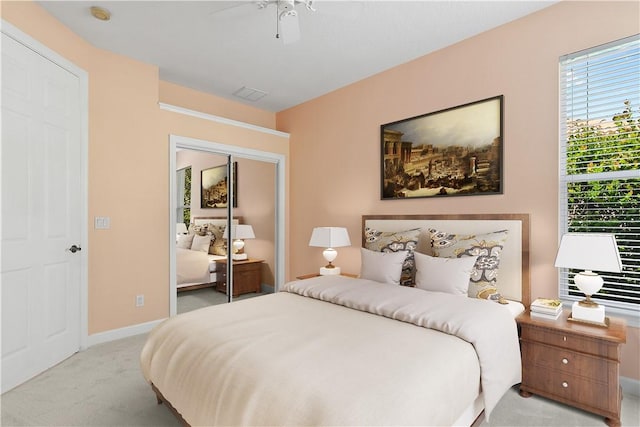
<point>324,271</point>
<point>588,314</point>
<point>240,257</point>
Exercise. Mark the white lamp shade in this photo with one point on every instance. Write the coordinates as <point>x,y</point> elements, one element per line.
<point>589,251</point>
<point>330,237</point>
<point>181,228</point>
<point>239,231</point>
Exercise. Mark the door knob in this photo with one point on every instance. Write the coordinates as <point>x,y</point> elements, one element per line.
<point>73,249</point>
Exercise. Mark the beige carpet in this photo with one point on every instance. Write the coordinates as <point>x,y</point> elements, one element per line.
<point>103,386</point>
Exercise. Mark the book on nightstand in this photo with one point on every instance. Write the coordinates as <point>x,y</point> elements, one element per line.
<point>545,315</point>
<point>546,308</point>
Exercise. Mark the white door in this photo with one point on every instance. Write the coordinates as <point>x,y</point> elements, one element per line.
<point>41,213</point>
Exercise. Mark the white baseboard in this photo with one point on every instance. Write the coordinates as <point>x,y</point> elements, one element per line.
<point>630,386</point>
<point>116,334</point>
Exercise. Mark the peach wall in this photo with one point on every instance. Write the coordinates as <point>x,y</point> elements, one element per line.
<point>257,181</point>
<point>171,93</point>
<point>335,139</point>
<point>129,168</point>
<point>256,202</point>
<point>125,170</point>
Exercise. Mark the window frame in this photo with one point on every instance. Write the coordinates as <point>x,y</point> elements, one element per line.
<point>629,311</point>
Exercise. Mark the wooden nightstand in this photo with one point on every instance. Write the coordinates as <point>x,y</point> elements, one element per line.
<point>247,276</point>
<point>310,275</point>
<point>573,363</point>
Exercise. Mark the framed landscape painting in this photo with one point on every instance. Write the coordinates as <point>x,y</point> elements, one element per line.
<point>452,152</point>
<point>214,187</point>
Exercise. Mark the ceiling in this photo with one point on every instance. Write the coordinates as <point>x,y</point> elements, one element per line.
<point>219,47</point>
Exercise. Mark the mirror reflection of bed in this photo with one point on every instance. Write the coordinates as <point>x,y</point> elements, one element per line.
<point>201,264</point>
<point>256,206</point>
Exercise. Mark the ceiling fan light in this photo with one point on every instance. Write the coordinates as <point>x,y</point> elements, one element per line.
<point>290,28</point>
<point>286,5</point>
<point>287,13</point>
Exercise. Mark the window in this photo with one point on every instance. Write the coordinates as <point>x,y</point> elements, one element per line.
<point>599,161</point>
<point>183,185</point>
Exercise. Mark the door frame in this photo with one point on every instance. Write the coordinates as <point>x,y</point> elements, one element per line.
<point>83,79</point>
<point>188,143</point>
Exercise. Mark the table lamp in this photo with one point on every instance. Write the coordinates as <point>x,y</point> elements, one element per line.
<point>239,233</point>
<point>181,228</point>
<point>329,238</point>
<point>589,252</point>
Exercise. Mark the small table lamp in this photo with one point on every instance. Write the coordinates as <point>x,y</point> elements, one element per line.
<point>239,232</point>
<point>181,228</point>
<point>329,238</point>
<point>589,251</point>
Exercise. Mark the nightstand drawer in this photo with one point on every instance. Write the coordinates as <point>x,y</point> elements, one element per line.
<point>570,341</point>
<point>572,389</point>
<point>569,362</point>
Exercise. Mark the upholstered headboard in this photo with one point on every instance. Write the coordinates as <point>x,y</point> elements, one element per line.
<point>217,220</point>
<point>513,276</point>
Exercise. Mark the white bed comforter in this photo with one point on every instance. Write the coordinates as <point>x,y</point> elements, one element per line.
<point>488,327</point>
<point>285,359</point>
<point>192,266</point>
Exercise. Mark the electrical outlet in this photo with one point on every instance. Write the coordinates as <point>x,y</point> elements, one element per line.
<point>139,300</point>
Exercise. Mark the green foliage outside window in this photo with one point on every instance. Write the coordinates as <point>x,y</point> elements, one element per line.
<point>186,212</point>
<point>611,203</point>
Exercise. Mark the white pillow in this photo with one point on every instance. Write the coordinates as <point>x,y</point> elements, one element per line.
<point>450,275</point>
<point>384,267</point>
<point>201,243</point>
<point>185,241</point>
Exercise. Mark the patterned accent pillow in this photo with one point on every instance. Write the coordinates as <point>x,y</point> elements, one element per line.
<point>218,245</point>
<point>487,247</point>
<point>394,241</point>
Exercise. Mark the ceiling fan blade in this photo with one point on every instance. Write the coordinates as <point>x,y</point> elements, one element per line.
<point>289,27</point>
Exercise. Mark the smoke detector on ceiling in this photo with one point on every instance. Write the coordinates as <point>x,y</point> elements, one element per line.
<point>100,13</point>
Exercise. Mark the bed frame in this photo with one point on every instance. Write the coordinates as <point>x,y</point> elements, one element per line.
<point>513,279</point>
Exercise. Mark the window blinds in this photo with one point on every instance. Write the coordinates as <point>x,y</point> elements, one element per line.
<point>599,159</point>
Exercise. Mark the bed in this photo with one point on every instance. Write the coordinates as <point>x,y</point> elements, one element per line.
<point>335,350</point>
<point>196,264</point>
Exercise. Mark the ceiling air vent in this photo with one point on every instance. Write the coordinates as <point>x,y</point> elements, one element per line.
<point>249,94</point>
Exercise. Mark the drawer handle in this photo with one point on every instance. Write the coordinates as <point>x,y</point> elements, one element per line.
<point>565,361</point>
<point>564,338</point>
<point>565,384</point>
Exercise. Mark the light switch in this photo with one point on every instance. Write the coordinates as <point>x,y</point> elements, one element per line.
<point>102,223</point>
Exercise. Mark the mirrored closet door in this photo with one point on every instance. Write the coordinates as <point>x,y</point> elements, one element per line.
<point>227,204</point>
